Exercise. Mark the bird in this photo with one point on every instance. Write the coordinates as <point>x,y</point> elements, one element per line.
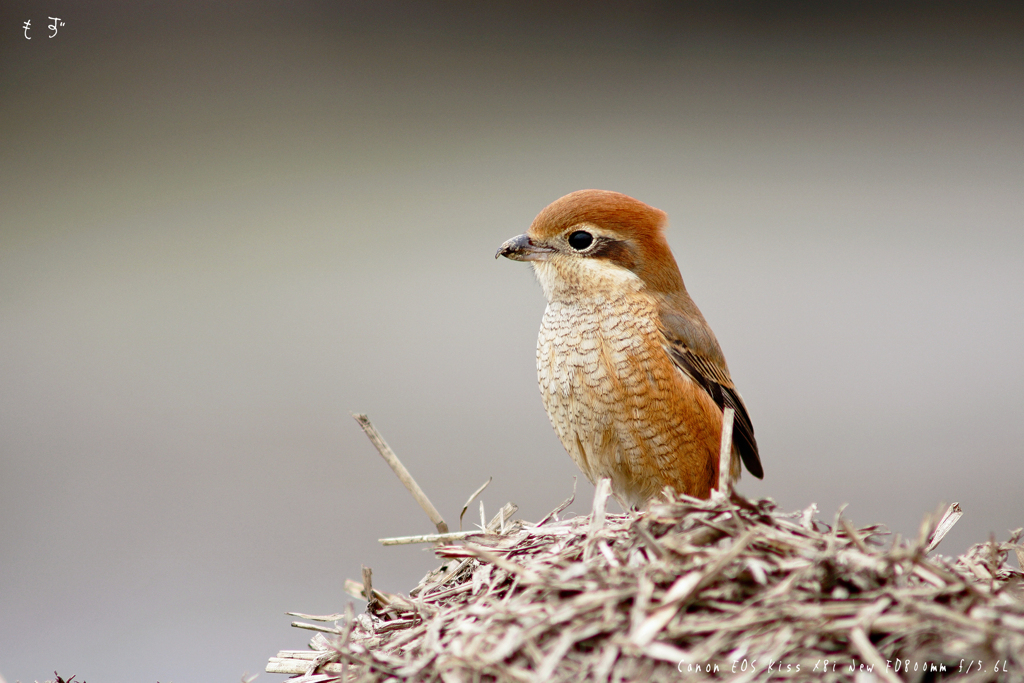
<point>630,373</point>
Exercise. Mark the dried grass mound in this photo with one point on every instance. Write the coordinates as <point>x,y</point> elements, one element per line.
<point>725,589</point>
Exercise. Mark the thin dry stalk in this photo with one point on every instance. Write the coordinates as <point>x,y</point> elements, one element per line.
<point>399,469</point>
<point>472,497</point>
<point>427,538</point>
<point>725,454</point>
<point>949,518</point>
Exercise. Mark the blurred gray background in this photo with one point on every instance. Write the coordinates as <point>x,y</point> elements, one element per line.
<point>226,226</point>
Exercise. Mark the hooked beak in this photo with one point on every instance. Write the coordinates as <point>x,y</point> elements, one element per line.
<point>522,248</point>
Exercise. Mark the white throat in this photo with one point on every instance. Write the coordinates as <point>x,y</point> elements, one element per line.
<point>574,278</point>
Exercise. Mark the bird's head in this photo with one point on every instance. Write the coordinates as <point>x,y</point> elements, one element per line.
<point>594,240</point>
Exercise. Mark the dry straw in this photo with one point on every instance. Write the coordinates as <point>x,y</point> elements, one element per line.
<point>720,589</point>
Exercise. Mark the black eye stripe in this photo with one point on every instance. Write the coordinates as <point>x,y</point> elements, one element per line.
<point>580,240</point>
<point>616,251</point>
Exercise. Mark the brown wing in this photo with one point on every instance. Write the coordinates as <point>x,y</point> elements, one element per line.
<point>717,383</point>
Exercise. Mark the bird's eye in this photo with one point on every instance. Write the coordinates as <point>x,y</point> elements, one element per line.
<point>580,240</point>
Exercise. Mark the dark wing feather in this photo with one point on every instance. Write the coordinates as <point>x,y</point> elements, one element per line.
<point>718,385</point>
